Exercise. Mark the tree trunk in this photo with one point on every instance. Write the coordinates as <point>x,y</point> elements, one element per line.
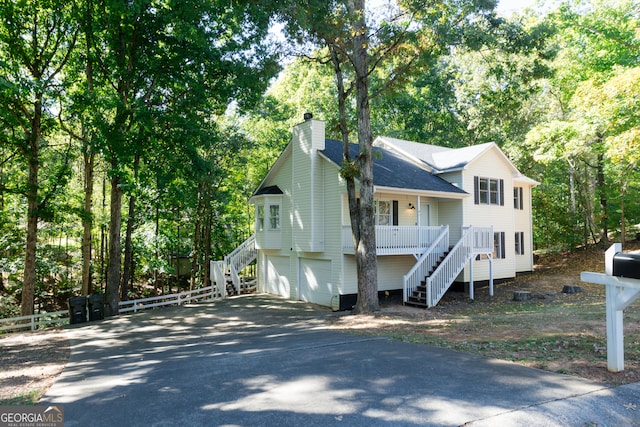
<point>206,247</point>
<point>127,272</point>
<point>623,221</point>
<point>366,257</point>
<point>29,278</point>
<point>604,224</point>
<point>87,221</point>
<point>127,269</point>
<point>113,268</point>
<point>196,240</point>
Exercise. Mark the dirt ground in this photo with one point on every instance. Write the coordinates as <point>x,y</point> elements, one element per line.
<point>30,363</point>
<point>554,331</point>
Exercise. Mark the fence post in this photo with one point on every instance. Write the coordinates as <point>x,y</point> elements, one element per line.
<point>33,322</point>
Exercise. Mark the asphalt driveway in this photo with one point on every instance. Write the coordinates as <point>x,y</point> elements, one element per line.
<point>264,361</point>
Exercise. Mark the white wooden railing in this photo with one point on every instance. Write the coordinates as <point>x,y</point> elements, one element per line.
<point>208,293</point>
<point>474,240</point>
<point>43,320</point>
<point>396,240</point>
<point>34,321</point>
<point>218,278</point>
<point>425,263</point>
<point>240,258</point>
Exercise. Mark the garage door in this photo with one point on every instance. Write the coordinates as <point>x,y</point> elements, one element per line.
<point>277,278</point>
<point>315,281</point>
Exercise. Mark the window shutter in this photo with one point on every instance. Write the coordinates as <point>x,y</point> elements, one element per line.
<point>476,190</point>
<point>521,243</point>
<point>395,212</point>
<point>502,251</point>
<point>501,192</point>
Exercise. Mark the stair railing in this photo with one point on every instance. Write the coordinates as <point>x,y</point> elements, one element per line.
<point>218,279</point>
<point>442,278</point>
<point>425,263</point>
<point>241,257</point>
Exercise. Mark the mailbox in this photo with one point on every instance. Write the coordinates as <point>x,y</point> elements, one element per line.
<point>626,265</point>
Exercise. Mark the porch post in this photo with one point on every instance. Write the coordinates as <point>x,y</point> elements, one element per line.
<point>490,275</point>
<point>471,293</point>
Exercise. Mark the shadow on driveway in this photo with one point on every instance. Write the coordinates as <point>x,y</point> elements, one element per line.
<point>263,361</point>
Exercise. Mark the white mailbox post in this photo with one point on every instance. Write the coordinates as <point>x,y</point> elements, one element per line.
<point>620,293</point>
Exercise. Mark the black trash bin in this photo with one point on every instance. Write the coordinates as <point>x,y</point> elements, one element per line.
<point>77,310</point>
<point>96,307</point>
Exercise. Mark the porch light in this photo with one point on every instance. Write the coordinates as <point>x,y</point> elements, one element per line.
<point>411,206</point>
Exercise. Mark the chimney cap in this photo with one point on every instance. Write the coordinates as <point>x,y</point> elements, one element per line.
<point>308,116</point>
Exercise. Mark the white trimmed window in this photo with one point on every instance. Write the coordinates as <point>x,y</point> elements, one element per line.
<point>383,212</point>
<point>498,245</point>
<point>519,243</point>
<point>517,198</point>
<point>488,191</point>
<point>259,217</point>
<point>274,217</point>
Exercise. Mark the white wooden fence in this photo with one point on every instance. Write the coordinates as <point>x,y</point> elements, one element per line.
<point>34,321</point>
<point>43,320</point>
<point>210,292</point>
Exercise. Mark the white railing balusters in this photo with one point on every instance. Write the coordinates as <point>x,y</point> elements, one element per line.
<point>426,262</point>
<point>240,258</point>
<point>474,240</point>
<point>396,240</point>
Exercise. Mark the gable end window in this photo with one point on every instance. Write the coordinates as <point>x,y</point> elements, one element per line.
<point>517,198</point>
<point>488,191</point>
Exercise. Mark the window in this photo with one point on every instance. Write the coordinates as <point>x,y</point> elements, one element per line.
<point>383,212</point>
<point>517,198</point>
<point>498,245</point>
<point>259,218</point>
<point>274,217</point>
<point>519,243</point>
<point>488,191</point>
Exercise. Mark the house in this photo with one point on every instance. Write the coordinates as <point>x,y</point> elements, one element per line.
<point>442,216</point>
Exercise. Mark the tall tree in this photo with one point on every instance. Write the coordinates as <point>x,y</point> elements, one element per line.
<point>159,62</point>
<point>596,41</point>
<point>36,38</point>
<point>362,42</point>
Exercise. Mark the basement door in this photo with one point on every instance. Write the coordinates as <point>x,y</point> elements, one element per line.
<point>315,281</point>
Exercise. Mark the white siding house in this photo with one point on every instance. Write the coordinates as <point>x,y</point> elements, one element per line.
<point>469,207</point>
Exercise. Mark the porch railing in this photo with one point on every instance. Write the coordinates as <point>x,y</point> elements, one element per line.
<point>426,262</point>
<point>396,240</point>
<point>474,240</point>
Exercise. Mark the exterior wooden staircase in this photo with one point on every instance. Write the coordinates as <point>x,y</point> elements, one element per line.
<point>225,274</point>
<point>437,268</point>
<point>419,295</point>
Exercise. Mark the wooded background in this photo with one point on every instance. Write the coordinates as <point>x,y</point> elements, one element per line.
<point>132,133</point>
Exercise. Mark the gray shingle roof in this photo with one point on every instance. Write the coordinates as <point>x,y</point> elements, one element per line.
<point>392,170</point>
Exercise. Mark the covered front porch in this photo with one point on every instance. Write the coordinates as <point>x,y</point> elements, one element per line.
<point>397,240</point>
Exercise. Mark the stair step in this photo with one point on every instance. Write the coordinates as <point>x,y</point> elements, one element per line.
<point>416,303</point>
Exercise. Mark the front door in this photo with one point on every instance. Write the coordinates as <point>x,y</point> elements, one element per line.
<point>425,214</point>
